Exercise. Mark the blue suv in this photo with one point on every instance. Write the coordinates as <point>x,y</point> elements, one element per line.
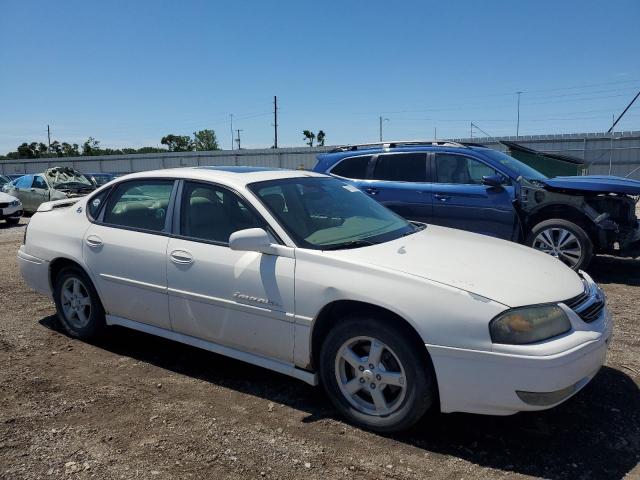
<point>475,188</point>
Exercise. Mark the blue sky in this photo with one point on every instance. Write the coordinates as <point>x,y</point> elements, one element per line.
<point>129,72</point>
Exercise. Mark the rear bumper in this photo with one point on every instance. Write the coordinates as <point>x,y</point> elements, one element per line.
<point>503,384</point>
<point>35,272</point>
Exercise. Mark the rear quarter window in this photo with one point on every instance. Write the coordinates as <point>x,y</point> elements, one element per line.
<point>352,167</point>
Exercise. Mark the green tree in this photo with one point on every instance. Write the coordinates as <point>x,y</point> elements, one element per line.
<point>320,138</point>
<point>69,150</point>
<point>91,147</point>
<point>177,143</point>
<point>309,136</point>
<point>205,140</point>
<point>27,151</point>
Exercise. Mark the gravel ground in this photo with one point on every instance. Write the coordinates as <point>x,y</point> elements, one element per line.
<point>135,406</point>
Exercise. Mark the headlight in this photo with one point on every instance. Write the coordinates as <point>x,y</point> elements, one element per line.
<point>529,324</point>
<point>15,203</point>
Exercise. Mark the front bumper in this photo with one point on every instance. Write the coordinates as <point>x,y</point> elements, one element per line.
<point>11,212</point>
<point>504,383</point>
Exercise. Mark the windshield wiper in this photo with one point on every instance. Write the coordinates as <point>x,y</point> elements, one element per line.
<point>351,244</point>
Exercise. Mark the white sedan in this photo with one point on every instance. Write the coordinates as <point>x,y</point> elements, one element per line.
<point>10,209</point>
<point>305,275</point>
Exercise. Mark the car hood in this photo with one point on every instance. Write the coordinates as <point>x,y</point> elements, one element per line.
<point>502,271</point>
<point>594,183</point>
<point>6,198</point>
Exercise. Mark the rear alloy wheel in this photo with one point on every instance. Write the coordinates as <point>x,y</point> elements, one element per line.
<point>564,240</point>
<point>376,375</point>
<point>79,309</point>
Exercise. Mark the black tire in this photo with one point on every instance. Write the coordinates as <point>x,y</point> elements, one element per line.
<point>95,319</point>
<point>420,385</point>
<point>582,238</point>
<point>13,220</point>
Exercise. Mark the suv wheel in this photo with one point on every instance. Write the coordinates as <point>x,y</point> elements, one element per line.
<point>375,374</point>
<point>79,309</point>
<point>564,240</point>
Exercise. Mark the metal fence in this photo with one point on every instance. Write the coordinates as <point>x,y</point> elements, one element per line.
<point>618,153</point>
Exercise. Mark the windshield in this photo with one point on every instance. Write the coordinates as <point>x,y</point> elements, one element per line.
<point>515,166</point>
<point>328,214</point>
<point>62,176</point>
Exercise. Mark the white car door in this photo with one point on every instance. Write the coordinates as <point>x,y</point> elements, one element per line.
<point>242,300</point>
<point>125,249</point>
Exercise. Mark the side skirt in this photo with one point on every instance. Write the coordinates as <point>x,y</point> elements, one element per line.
<point>280,367</point>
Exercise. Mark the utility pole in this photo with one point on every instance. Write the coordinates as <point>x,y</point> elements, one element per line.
<point>518,123</point>
<point>471,130</point>
<point>231,116</point>
<point>238,138</point>
<point>435,133</point>
<point>275,121</point>
<point>49,139</point>
<point>380,128</point>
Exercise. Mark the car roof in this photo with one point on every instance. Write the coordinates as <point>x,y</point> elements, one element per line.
<point>337,155</point>
<point>236,176</point>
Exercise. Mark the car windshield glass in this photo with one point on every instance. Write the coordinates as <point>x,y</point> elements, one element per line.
<point>515,166</point>
<point>328,214</point>
<point>67,177</point>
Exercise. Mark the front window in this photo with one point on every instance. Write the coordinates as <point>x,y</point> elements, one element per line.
<point>516,167</point>
<point>38,182</point>
<point>213,213</point>
<point>460,169</point>
<point>328,214</point>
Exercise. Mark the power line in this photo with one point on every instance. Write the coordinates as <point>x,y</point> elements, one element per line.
<point>625,111</point>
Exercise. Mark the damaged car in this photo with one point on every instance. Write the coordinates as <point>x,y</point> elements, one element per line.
<point>475,188</point>
<point>55,183</point>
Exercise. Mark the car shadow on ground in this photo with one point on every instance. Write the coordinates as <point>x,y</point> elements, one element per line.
<point>596,434</point>
<point>605,269</point>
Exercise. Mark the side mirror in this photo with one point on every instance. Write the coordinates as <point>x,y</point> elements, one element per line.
<point>252,240</point>
<point>493,180</point>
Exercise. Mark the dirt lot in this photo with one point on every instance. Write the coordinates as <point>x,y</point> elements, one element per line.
<point>135,406</point>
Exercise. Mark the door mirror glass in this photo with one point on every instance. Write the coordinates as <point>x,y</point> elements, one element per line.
<point>251,240</point>
<point>493,180</point>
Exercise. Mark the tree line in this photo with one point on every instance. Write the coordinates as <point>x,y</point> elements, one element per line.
<point>202,141</point>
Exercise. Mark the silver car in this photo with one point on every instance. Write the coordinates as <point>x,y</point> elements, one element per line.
<point>56,183</point>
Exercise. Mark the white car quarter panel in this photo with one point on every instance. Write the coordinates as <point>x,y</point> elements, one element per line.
<point>129,271</point>
<point>238,299</point>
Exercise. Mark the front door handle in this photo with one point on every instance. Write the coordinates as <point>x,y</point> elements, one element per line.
<point>441,196</point>
<point>94,241</point>
<point>371,190</point>
<point>181,257</point>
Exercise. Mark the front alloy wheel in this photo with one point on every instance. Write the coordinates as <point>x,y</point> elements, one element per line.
<point>564,240</point>
<point>370,376</point>
<point>377,372</point>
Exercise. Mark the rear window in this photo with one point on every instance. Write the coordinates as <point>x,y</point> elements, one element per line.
<point>352,167</point>
<point>139,204</point>
<point>401,167</point>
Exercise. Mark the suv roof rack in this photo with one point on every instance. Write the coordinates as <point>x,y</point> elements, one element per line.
<point>397,144</point>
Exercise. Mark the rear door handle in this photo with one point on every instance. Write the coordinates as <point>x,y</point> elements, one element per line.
<point>181,257</point>
<point>371,190</point>
<point>94,241</point>
<point>441,196</point>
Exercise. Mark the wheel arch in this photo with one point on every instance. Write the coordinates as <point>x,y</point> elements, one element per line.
<point>562,212</point>
<point>332,312</point>
<point>58,264</point>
